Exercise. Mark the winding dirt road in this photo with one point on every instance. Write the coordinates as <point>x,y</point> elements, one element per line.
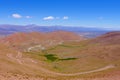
<point>21,60</point>
<point>74,74</point>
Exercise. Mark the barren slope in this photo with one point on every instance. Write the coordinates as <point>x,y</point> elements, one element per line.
<point>59,56</point>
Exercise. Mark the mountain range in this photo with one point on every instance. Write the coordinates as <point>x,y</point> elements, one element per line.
<point>7,29</point>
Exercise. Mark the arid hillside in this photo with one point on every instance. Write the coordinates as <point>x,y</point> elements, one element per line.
<point>59,55</point>
<point>108,38</point>
<point>21,41</point>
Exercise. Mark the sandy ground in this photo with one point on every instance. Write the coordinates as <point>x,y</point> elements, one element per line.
<point>20,77</point>
<point>19,58</point>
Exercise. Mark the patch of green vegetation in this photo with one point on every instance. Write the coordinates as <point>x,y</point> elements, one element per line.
<point>70,46</point>
<point>51,57</point>
<point>64,45</point>
<point>67,59</point>
<point>52,48</point>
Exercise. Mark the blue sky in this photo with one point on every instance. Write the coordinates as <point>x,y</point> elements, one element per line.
<point>89,13</point>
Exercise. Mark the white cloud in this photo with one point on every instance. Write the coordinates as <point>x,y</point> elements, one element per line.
<point>28,17</point>
<point>16,16</point>
<point>55,18</point>
<point>65,17</point>
<point>48,18</point>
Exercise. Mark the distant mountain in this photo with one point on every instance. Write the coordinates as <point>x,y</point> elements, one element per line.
<point>27,28</point>
<point>85,31</point>
<point>108,38</point>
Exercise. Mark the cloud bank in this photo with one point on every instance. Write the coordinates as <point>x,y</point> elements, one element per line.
<point>49,18</point>
<point>16,16</point>
<point>20,16</point>
<point>65,17</point>
<point>55,18</point>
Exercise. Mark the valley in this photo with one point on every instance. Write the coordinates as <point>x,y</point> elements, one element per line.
<point>59,55</point>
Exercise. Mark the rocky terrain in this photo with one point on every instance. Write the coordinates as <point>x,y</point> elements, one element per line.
<point>59,55</point>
